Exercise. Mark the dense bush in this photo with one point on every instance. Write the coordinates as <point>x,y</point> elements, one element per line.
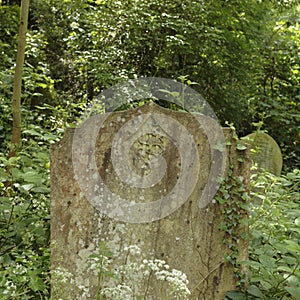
<point>242,55</point>
<point>24,214</point>
<point>274,249</point>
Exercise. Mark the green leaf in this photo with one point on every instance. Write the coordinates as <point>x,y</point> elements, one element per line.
<point>255,291</point>
<point>32,132</point>
<point>267,261</point>
<point>265,284</point>
<point>36,283</point>
<point>41,189</point>
<point>16,173</point>
<point>235,295</point>
<point>27,187</point>
<point>294,291</point>
<point>33,176</point>
<point>241,146</point>
<point>293,281</point>
<point>292,246</point>
<point>12,161</point>
<point>253,264</point>
<point>50,137</point>
<point>280,247</point>
<point>285,269</point>
<point>42,85</point>
<point>289,259</point>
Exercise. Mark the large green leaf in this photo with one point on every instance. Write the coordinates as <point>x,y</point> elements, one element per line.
<point>255,291</point>
<point>294,291</point>
<point>33,176</point>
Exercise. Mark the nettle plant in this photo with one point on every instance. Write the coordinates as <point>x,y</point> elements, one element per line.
<point>275,234</point>
<point>125,280</point>
<point>274,249</point>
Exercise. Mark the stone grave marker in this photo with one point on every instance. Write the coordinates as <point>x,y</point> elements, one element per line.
<point>103,191</point>
<point>265,152</point>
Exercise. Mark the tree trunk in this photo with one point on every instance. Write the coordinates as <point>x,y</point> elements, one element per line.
<point>16,103</point>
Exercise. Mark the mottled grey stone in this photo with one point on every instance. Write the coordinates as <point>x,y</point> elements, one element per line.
<point>265,152</point>
<point>189,239</point>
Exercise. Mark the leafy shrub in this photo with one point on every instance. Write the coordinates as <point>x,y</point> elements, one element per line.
<point>24,230</point>
<point>274,250</point>
<point>24,215</point>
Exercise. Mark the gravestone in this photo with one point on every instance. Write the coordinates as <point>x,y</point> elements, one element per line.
<point>95,201</point>
<point>265,152</point>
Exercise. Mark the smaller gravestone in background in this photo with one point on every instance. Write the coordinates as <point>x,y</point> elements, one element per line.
<point>265,152</point>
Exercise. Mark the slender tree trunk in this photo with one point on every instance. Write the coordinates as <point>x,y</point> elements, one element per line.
<point>16,102</point>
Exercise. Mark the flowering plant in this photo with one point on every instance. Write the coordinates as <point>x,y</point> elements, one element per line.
<point>129,280</point>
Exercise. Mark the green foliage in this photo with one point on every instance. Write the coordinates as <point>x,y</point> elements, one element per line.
<point>9,21</point>
<point>233,198</point>
<point>277,93</point>
<point>24,230</point>
<point>24,215</point>
<point>9,18</point>
<point>244,57</point>
<point>274,249</point>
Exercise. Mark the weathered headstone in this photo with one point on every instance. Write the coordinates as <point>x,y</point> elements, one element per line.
<point>265,152</point>
<point>185,233</point>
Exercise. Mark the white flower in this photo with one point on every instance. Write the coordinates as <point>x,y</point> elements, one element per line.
<point>74,25</point>
<point>133,250</point>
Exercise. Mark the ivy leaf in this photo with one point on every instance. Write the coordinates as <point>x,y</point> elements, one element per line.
<point>241,146</point>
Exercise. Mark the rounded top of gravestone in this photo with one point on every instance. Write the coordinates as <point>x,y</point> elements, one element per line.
<point>139,147</point>
<point>265,152</point>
